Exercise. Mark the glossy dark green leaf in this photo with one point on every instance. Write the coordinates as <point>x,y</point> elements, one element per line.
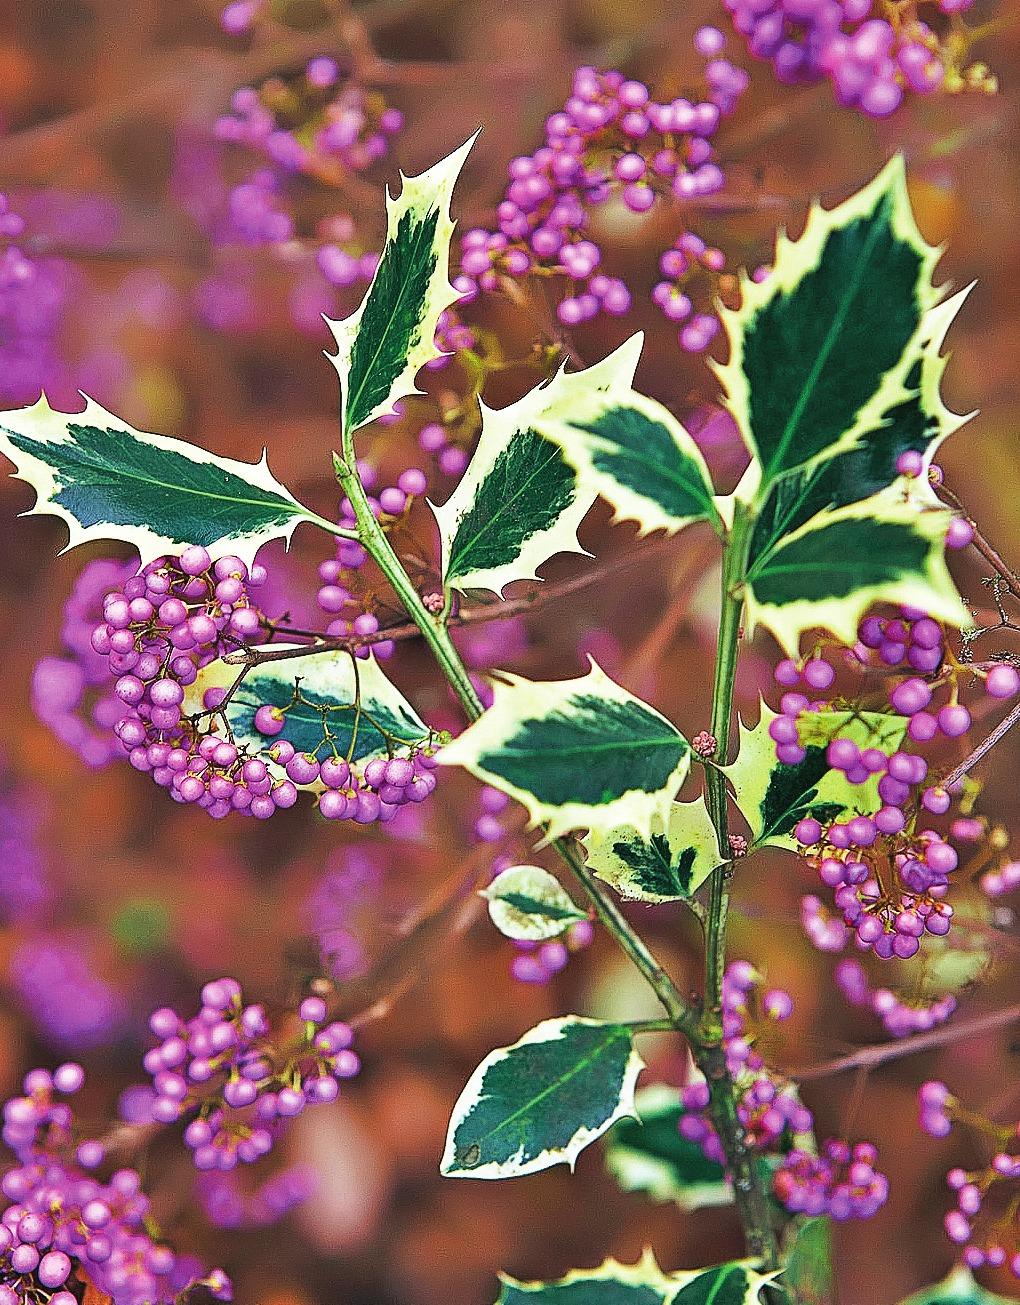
<point>539,1102</point>
<point>822,347</point>
<point>108,481</point>
<point>519,502</point>
<point>579,753</point>
<point>383,345</point>
<point>648,1154</point>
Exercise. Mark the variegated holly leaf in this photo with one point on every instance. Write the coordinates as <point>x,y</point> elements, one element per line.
<point>918,424</point>
<point>960,1288</point>
<point>821,348</point>
<point>579,754</point>
<point>773,797</point>
<point>644,1283</point>
<point>333,704</point>
<point>529,904</point>
<point>541,1101</point>
<point>611,1283</point>
<point>669,865</point>
<point>518,503</point>
<point>829,572</point>
<point>107,480</point>
<point>383,345</point>
<point>736,1283</point>
<point>649,1155</point>
<point>635,453</point>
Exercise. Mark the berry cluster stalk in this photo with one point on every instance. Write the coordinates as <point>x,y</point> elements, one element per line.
<point>701,1026</point>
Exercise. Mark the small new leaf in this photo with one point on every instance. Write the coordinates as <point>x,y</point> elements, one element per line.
<point>529,904</point>
<point>579,754</point>
<point>829,572</point>
<point>773,797</point>
<point>665,867</point>
<point>541,1101</point>
<point>333,705</point>
<point>382,346</point>
<point>960,1288</point>
<point>519,502</point>
<point>611,1283</point>
<point>636,454</point>
<point>109,481</point>
<point>649,1155</point>
<point>821,348</point>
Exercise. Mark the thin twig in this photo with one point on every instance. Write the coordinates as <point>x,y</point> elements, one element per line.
<point>985,746</point>
<point>873,1056</point>
<point>499,611</point>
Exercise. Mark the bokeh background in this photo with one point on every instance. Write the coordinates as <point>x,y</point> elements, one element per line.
<point>104,107</point>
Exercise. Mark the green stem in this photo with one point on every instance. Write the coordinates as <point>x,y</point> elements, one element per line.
<point>373,538</point>
<point>704,1035</point>
<point>731,613</point>
<point>748,1187</point>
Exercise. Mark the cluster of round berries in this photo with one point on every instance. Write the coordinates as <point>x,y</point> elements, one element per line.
<point>15,268</point>
<point>338,574</point>
<point>364,793</point>
<point>1000,882</point>
<point>451,456</point>
<point>611,139</point>
<point>890,876</point>
<point>987,1237</point>
<point>840,1182</point>
<point>226,1206</point>
<point>27,891</point>
<point>872,51</point>
<point>169,621</point>
<point>60,1221</point>
<point>319,123</point>
<point>539,963</point>
<point>72,1004</point>
<point>72,695</point>
<point>224,1069</point>
<point>900,1018</point>
<point>768,1110</point>
<point>353,874</point>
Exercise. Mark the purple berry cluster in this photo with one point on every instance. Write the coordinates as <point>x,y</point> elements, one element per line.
<point>889,871</point>
<point>320,123</point>
<point>983,1222</point>
<point>340,595</point>
<point>16,269</point>
<point>73,695</point>
<point>226,1205</point>
<point>62,1224</point>
<point>1001,882</point>
<point>353,875</point>
<point>362,792</point>
<point>224,1070</point>
<point>841,1181</point>
<point>69,1001</point>
<point>167,622</point>
<point>872,51</point>
<point>900,1018</point>
<point>611,141</point>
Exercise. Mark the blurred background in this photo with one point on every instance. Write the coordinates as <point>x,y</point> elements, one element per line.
<point>114,901</point>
